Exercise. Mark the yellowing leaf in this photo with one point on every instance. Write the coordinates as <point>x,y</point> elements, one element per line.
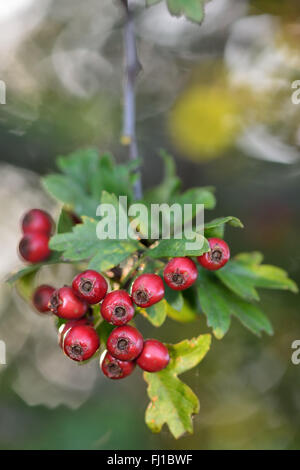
<point>172,401</point>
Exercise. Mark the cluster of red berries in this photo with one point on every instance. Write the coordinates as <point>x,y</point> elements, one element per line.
<point>37,227</point>
<point>125,345</point>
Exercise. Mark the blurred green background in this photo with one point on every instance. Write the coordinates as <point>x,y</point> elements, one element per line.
<point>219,98</point>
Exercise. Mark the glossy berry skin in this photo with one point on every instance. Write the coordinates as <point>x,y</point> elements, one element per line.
<point>81,342</point>
<point>154,357</point>
<point>41,298</point>
<point>37,221</point>
<point>115,369</point>
<point>67,326</point>
<point>34,247</point>
<point>125,343</point>
<point>117,308</point>
<point>147,290</point>
<point>65,304</point>
<point>180,273</point>
<point>218,255</point>
<point>90,286</point>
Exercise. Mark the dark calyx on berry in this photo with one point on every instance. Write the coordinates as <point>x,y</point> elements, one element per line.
<point>141,296</point>
<point>86,285</point>
<point>123,344</point>
<point>54,302</point>
<point>76,351</point>
<point>120,312</point>
<point>216,255</point>
<point>114,369</point>
<point>178,279</point>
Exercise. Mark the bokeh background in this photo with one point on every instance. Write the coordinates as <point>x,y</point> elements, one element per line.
<point>219,98</point>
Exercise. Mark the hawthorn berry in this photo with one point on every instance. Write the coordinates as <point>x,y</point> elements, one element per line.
<point>34,247</point>
<point>114,368</point>
<point>81,342</point>
<point>154,357</point>
<point>218,255</point>
<point>68,325</point>
<point>90,286</point>
<point>147,289</point>
<point>125,343</point>
<point>41,297</point>
<point>65,304</point>
<point>180,273</point>
<point>117,308</point>
<point>37,221</point>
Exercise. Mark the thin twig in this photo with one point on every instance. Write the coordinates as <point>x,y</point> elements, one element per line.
<point>132,70</point>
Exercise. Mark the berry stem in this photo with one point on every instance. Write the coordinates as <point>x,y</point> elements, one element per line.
<point>133,270</point>
<point>132,70</point>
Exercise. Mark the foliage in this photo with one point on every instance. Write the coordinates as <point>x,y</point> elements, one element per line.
<point>88,179</point>
<point>193,10</point>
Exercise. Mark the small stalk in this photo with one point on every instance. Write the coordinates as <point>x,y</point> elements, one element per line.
<point>132,69</point>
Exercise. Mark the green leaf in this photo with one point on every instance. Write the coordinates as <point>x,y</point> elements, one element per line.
<point>174,298</point>
<point>195,196</point>
<point>251,316</point>
<point>33,268</point>
<point>174,248</point>
<point>69,192</point>
<point>243,278</point>
<point>216,227</point>
<point>104,330</point>
<point>192,9</point>
<point>170,185</point>
<point>187,314</point>
<point>25,286</point>
<point>85,176</point>
<point>172,401</point>
<point>83,243</point>
<point>65,223</point>
<point>218,304</point>
<point>156,314</point>
<point>236,277</point>
<point>213,301</point>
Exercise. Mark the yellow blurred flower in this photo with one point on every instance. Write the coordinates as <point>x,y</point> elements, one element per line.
<point>204,122</point>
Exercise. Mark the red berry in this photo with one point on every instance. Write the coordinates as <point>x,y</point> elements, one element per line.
<point>37,220</point>
<point>115,369</point>
<point>41,298</point>
<point>90,286</point>
<point>117,308</point>
<point>67,326</point>
<point>147,289</point>
<point>65,304</point>
<point>81,342</point>
<point>180,273</point>
<point>125,343</point>
<point>154,357</point>
<point>34,247</point>
<point>218,255</point>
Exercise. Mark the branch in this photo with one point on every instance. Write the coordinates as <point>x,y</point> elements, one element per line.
<point>132,69</point>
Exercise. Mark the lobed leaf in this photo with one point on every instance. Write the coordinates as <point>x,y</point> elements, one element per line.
<point>82,243</point>
<point>174,248</point>
<point>216,227</point>
<point>192,9</point>
<point>156,314</point>
<point>219,304</point>
<point>243,274</point>
<point>172,401</point>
